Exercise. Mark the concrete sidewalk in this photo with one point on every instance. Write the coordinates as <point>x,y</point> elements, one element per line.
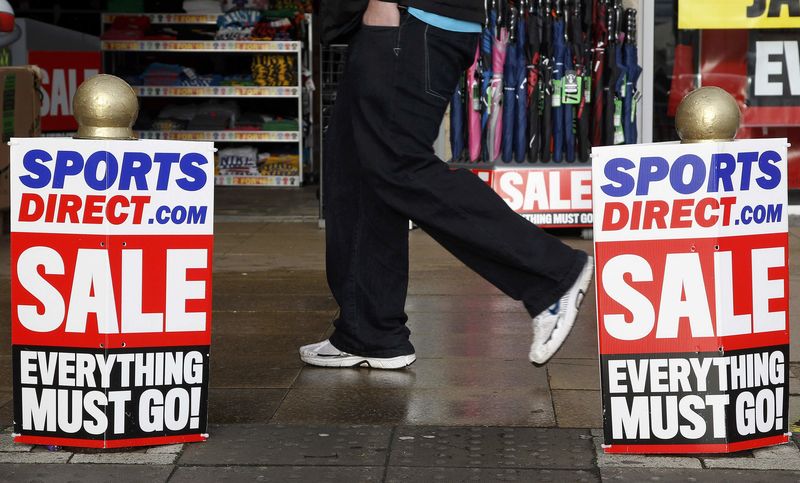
<point>470,408</point>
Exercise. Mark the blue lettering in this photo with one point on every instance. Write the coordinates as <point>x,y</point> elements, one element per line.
<point>651,169</point>
<point>33,161</point>
<point>676,174</point>
<point>165,162</point>
<point>747,159</point>
<point>91,170</point>
<point>68,163</point>
<point>135,167</point>
<point>723,165</point>
<point>190,166</point>
<point>162,215</point>
<point>622,183</point>
<point>766,163</point>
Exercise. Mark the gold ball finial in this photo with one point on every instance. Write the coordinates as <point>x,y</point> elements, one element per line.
<point>707,114</point>
<point>105,107</point>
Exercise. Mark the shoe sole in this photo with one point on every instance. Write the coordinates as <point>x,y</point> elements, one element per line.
<point>398,362</point>
<point>570,322</point>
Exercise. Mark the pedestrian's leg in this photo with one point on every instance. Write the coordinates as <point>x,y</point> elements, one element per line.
<point>395,134</point>
<point>366,240</point>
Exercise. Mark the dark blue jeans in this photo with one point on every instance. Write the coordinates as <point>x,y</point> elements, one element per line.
<point>381,171</point>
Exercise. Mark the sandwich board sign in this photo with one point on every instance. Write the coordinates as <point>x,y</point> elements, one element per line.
<point>691,245</point>
<point>111,246</point>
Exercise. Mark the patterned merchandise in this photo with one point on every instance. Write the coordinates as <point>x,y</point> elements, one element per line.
<point>274,70</point>
<point>278,164</point>
<point>241,161</point>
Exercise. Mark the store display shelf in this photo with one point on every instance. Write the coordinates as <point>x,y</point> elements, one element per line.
<point>173,18</point>
<point>288,181</point>
<point>223,136</point>
<point>168,18</point>
<point>200,46</point>
<point>217,91</point>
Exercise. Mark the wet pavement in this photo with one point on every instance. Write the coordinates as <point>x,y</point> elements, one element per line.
<point>472,408</point>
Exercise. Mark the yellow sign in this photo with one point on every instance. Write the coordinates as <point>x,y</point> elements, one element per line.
<point>738,14</point>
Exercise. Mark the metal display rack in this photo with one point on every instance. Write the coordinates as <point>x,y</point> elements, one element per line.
<point>171,48</point>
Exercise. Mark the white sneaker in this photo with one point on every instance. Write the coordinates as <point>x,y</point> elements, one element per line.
<point>551,327</point>
<point>324,354</point>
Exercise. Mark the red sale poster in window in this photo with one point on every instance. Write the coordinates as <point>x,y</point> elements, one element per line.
<point>111,248</point>
<point>691,245</point>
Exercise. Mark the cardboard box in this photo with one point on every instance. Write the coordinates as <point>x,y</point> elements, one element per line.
<point>19,116</point>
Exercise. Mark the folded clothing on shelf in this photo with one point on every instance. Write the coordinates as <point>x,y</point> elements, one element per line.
<point>234,33</point>
<point>211,121</point>
<point>279,125</point>
<point>168,125</point>
<point>230,5</point>
<point>203,81</point>
<point>249,121</point>
<point>127,27</point>
<point>239,18</point>
<point>278,164</point>
<point>273,29</point>
<point>202,6</point>
<point>137,27</point>
<point>160,74</point>
<point>207,116</point>
<point>238,80</point>
<point>241,161</point>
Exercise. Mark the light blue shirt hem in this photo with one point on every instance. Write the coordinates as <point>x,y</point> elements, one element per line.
<point>445,23</point>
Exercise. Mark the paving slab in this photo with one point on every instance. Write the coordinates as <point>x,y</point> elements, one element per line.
<point>454,344</point>
<point>251,367</point>
<point>398,474</point>
<point>6,379</point>
<point>313,323</point>
<point>781,457</point>
<point>343,405</point>
<point>794,378</point>
<point>125,458</point>
<point>581,374</point>
<point>454,406</point>
<point>7,444</point>
<point>452,279</point>
<point>7,414</point>
<point>491,447</point>
<point>231,342</point>
<point>640,475</point>
<point>582,340</point>
<point>265,445</point>
<point>289,282</point>
<point>243,405</point>
<point>425,373</point>
<point>83,473</point>
<point>578,409</point>
<point>479,324</point>
<point>794,410</point>
<point>228,299</point>
<point>202,474</point>
<point>36,457</point>
<point>166,449</point>
<point>463,303</point>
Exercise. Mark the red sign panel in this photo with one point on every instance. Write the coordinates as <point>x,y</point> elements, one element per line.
<point>111,252</point>
<point>62,73</point>
<point>691,251</point>
<point>548,197</point>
